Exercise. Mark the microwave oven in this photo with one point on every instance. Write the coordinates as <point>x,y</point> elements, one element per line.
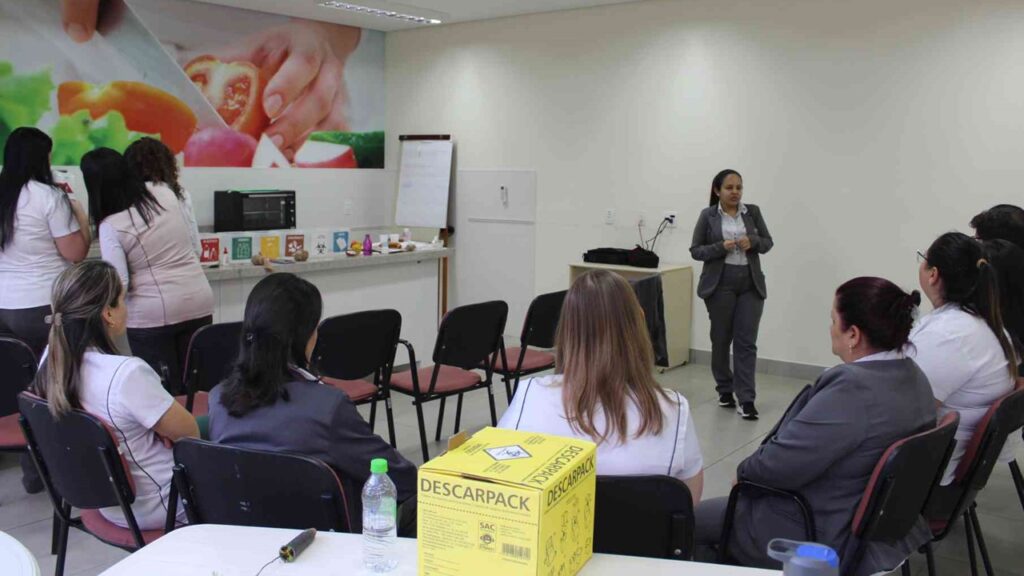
<point>250,210</point>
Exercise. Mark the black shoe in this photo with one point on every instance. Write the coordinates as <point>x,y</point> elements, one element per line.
<point>726,401</point>
<point>32,485</point>
<point>747,411</point>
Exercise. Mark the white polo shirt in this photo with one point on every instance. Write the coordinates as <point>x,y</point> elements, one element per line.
<point>537,407</point>
<point>30,262</point>
<point>967,370</point>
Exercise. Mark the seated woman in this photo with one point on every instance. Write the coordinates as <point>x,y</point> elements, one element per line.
<point>272,401</point>
<point>828,443</point>
<point>603,389</point>
<point>81,370</point>
<point>962,345</point>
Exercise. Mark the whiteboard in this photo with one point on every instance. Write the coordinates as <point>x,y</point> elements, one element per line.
<point>424,177</point>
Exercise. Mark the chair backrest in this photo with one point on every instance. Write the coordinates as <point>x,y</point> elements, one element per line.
<point>353,346</point>
<point>211,354</point>
<point>901,482</point>
<point>649,516</point>
<point>222,484</point>
<point>17,369</point>
<point>470,335</point>
<point>542,320</point>
<point>1003,418</point>
<point>77,455</point>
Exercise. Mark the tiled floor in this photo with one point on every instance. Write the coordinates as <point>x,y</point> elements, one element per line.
<point>725,440</point>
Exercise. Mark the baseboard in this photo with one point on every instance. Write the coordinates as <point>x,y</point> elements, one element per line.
<point>781,368</point>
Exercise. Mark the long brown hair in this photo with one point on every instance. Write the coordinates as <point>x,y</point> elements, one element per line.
<point>80,294</point>
<point>605,357</point>
<point>153,161</point>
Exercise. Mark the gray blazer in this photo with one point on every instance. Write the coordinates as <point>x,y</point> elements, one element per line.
<point>316,420</point>
<point>708,247</point>
<point>826,448</point>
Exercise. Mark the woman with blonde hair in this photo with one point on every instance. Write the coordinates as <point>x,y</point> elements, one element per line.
<point>82,370</point>
<point>603,389</point>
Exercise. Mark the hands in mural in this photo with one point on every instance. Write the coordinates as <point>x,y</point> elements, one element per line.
<point>79,18</point>
<point>305,62</point>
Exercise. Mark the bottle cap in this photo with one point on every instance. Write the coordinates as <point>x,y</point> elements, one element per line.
<point>379,466</point>
<point>818,552</point>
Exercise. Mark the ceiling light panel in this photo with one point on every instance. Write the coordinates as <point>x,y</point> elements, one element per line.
<point>359,9</point>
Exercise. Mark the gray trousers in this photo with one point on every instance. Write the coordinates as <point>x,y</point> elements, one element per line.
<point>735,310</point>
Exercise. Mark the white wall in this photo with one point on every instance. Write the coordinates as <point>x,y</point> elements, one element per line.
<point>863,129</point>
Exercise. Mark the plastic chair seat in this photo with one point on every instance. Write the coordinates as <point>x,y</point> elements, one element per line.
<point>534,360</point>
<point>357,390</point>
<point>449,379</point>
<point>113,534</point>
<point>11,436</point>
<point>200,403</point>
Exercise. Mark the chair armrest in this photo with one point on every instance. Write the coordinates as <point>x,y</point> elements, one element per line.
<point>681,537</point>
<point>412,365</point>
<point>744,487</point>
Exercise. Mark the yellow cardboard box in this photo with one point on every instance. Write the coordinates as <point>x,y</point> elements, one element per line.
<point>507,503</point>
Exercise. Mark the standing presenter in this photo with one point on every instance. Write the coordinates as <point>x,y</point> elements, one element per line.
<point>729,239</point>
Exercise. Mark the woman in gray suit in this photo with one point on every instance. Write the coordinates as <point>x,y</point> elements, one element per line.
<point>827,444</point>
<point>729,239</point>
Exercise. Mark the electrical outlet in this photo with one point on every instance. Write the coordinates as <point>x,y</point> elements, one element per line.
<point>609,217</point>
<point>672,217</point>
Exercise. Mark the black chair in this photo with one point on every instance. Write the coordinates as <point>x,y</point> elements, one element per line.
<point>948,503</point>
<point>78,461</point>
<point>899,487</point>
<point>351,348</point>
<point>211,354</point>
<point>222,484</point>
<point>468,336</point>
<point>539,332</point>
<point>18,365</point>
<point>650,516</point>
<point>1018,478</point>
<point>760,490</point>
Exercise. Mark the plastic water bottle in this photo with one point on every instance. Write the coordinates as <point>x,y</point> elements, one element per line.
<point>380,506</point>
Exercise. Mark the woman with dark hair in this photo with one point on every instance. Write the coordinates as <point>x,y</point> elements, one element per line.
<point>1001,228</point>
<point>826,446</point>
<point>154,162</point>
<point>729,238</point>
<point>1002,221</point>
<point>42,231</point>
<point>82,370</point>
<point>146,237</point>
<point>962,345</point>
<point>272,400</point>
<point>604,391</point>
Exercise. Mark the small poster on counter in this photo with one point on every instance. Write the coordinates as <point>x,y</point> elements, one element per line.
<point>321,244</point>
<point>293,243</point>
<point>209,254</point>
<point>340,241</point>
<point>270,246</point>
<point>241,248</point>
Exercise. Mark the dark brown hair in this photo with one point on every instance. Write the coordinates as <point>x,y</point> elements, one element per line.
<point>882,311</point>
<point>1001,222</point>
<point>154,162</point>
<point>716,184</point>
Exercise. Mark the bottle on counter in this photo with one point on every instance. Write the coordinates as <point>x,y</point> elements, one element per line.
<point>367,245</point>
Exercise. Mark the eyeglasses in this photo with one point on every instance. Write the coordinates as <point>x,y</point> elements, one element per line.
<point>921,257</point>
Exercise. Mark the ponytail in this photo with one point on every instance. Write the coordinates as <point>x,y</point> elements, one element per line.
<point>80,295</point>
<point>971,282</point>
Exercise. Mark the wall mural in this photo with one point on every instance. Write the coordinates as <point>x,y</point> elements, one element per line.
<point>221,86</point>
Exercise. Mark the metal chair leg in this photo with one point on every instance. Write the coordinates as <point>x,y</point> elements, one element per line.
<point>373,415</point>
<point>905,570</point>
<point>508,387</point>
<point>490,399</point>
<point>976,527</point>
<point>391,421</point>
<point>55,536</point>
<point>458,415</point>
<point>929,556</point>
<point>440,420</point>
<point>62,545</point>
<point>1018,481</point>
<point>423,431</point>
<point>970,545</point>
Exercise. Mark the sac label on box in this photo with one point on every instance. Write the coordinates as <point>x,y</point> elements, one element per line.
<point>507,503</point>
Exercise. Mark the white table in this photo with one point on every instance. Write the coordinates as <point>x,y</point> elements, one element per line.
<point>15,559</point>
<point>209,550</point>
